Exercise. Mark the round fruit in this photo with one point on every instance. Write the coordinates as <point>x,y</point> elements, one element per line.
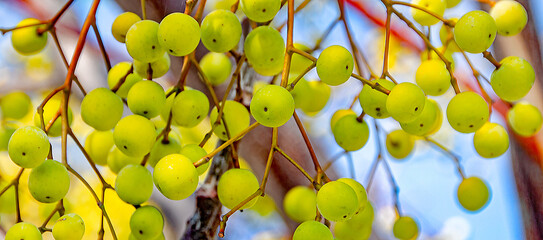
<point>446,32</point>
<point>510,17</point>
<point>351,133</point>
<point>301,93</point>
<point>446,52</point>
<point>299,63</point>
<point>337,201</point>
<point>475,31</point>
<point>189,108</point>
<point>260,10</point>
<point>167,109</point>
<point>235,115</point>
<point>312,230</point>
<point>525,119</point>
<point>158,237</point>
<point>360,191</point>
<point>118,72</point>
<point>467,112</point>
<point>319,96</point>
<point>134,184</point>
<point>439,120</point>
<point>163,148</point>
<point>373,102</point>
<point>179,34</point>
<point>405,228</point>
<point>142,42</point>
<point>28,147</point>
<point>362,218</point>
<point>122,23</point>
<point>435,6</point>
<point>195,153</point>
<point>25,231</point>
<point>146,98</point>
<point>429,120</point>
<point>272,106</point>
<point>134,135</point>
<point>27,40</point>
<point>473,194</point>
<point>433,77</point>
<point>513,79</point>
<point>265,50</point>
<point>49,182</point>
<point>216,67</point>
<point>264,206</point>
<point>146,222</point>
<point>101,109</point>
<point>156,68</point>
<point>399,144</point>
<point>335,65</point>
<point>345,231</point>
<point>491,140</point>
<point>221,31</point>
<point>339,114</point>
<point>98,144</point>
<point>69,227</point>
<point>452,3</point>
<point>175,176</point>
<point>6,132</point>
<point>116,160</point>
<point>405,102</point>
<point>15,105</point>
<point>300,204</point>
<point>235,186</point>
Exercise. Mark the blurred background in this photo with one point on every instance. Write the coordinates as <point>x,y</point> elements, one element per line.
<point>427,179</point>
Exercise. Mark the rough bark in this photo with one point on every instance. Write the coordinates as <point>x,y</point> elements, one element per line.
<point>206,219</point>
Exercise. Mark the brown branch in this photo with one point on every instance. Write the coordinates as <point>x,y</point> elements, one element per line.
<point>491,59</point>
<point>101,46</point>
<point>316,163</point>
<point>290,44</point>
<point>448,64</point>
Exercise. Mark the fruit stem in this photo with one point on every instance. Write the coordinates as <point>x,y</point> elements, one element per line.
<point>143,10</point>
<point>491,59</point>
<point>290,44</point>
<point>208,157</point>
<point>450,154</point>
<point>89,160</point>
<point>235,209</point>
<point>360,118</point>
<point>395,187</point>
<point>445,21</point>
<point>356,52</point>
<point>93,193</point>
<point>299,8</point>
<point>63,56</point>
<point>489,2</point>
<point>448,64</point>
<point>58,208</point>
<point>333,159</point>
<point>318,167</point>
<point>101,46</point>
<point>476,74</point>
<point>387,41</point>
<point>325,34</point>
<point>293,162</point>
